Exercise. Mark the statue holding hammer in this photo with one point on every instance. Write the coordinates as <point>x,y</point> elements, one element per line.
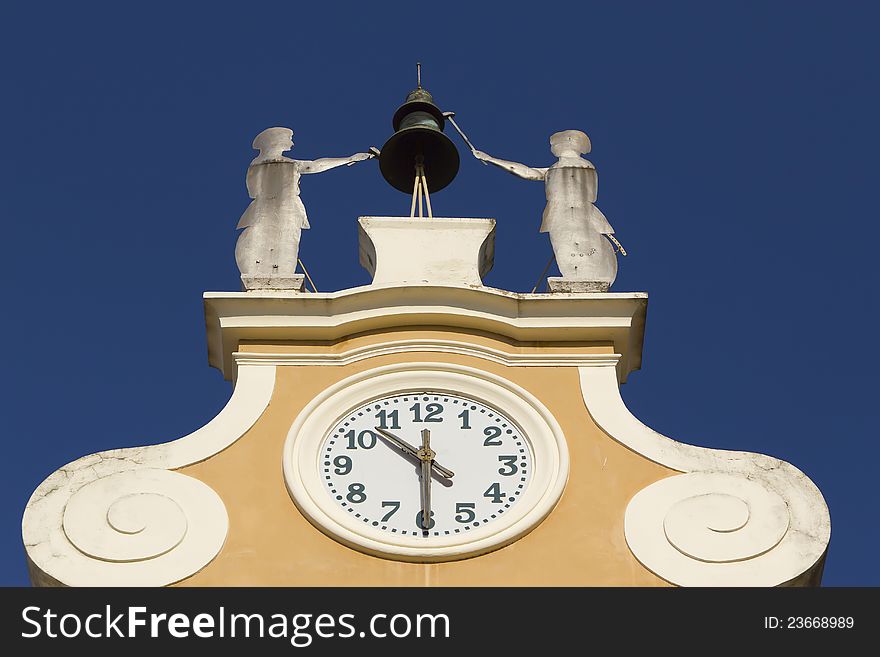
<point>583,241</point>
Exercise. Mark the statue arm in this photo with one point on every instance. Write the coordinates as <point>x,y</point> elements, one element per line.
<point>517,169</point>
<point>326,163</point>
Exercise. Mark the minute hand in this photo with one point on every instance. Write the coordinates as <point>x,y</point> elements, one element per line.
<point>413,451</point>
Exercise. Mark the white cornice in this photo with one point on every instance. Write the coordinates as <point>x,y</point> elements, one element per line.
<point>730,518</point>
<point>233,317</point>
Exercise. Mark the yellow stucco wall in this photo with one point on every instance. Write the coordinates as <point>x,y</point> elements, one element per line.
<point>581,543</point>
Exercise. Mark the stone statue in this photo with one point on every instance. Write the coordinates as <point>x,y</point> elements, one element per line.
<point>267,250</point>
<point>578,229</point>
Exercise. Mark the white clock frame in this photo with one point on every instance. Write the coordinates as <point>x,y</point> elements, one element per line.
<point>540,430</point>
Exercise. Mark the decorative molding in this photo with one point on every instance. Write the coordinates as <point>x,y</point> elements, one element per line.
<point>539,427</point>
<point>122,518</point>
<point>731,518</point>
<point>257,315</point>
<point>427,345</point>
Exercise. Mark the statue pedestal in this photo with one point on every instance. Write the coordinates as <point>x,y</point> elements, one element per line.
<point>295,283</point>
<point>437,251</point>
<point>562,284</point>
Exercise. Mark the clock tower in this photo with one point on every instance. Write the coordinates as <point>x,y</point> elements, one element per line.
<point>424,430</point>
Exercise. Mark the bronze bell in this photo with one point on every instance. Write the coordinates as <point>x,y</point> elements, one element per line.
<point>418,139</point>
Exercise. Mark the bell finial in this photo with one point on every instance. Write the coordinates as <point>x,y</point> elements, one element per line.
<point>419,75</point>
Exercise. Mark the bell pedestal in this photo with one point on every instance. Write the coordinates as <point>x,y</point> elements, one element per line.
<point>439,251</point>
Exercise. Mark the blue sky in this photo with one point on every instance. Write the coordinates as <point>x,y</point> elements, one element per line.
<point>736,147</point>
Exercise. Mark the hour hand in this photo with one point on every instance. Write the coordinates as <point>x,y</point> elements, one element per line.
<point>404,446</point>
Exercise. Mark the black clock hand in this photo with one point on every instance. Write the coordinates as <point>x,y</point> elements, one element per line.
<point>426,456</point>
<point>404,446</point>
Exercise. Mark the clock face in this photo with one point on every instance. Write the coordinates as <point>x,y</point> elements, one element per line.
<point>368,454</point>
<point>369,471</point>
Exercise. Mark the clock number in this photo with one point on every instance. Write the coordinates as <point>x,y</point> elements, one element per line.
<point>396,506</point>
<point>433,411</point>
<point>494,493</point>
<point>509,462</point>
<point>465,416</point>
<point>343,465</point>
<point>492,439</point>
<point>366,439</point>
<point>383,416</point>
<point>464,512</point>
<point>421,525</point>
<point>356,493</point>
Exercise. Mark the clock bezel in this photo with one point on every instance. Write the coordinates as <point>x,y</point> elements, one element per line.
<point>550,463</point>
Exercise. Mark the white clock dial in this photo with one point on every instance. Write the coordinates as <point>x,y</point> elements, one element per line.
<point>496,461</point>
<point>377,483</point>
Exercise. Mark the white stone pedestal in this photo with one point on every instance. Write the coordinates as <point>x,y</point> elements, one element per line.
<point>562,284</point>
<point>295,283</point>
<point>438,251</point>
